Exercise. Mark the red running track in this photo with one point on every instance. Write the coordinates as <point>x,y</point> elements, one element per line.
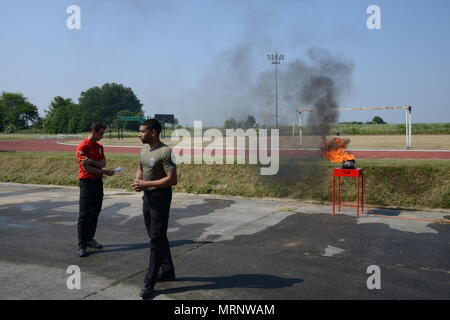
<point>53,145</point>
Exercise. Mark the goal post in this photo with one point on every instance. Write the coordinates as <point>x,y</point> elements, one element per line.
<point>408,120</point>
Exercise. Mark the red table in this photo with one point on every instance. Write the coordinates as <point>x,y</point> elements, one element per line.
<point>352,173</point>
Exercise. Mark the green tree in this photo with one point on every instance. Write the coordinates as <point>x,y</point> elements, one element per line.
<point>16,112</point>
<point>63,116</point>
<point>230,124</point>
<point>250,122</point>
<point>2,117</point>
<point>378,120</point>
<point>74,123</point>
<point>104,104</point>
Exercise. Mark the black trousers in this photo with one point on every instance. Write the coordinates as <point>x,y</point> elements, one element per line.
<point>156,216</point>
<point>91,199</point>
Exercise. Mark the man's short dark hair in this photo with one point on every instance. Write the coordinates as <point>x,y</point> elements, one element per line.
<point>152,124</point>
<point>96,126</point>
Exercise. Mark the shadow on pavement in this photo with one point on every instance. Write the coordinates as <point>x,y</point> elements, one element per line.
<point>140,246</point>
<point>122,247</point>
<point>385,212</point>
<point>257,281</point>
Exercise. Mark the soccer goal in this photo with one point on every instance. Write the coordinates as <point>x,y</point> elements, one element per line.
<point>298,122</point>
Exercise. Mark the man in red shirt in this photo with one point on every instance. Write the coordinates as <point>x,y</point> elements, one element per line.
<point>91,161</point>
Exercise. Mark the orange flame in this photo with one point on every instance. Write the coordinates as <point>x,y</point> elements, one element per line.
<point>334,150</point>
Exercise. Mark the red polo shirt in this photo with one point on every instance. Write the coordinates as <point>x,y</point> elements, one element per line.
<point>91,150</point>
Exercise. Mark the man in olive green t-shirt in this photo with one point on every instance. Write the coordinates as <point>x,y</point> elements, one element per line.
<point>155,174</point>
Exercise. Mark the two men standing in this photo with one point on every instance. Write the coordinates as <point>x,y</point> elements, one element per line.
<point>155,175</point>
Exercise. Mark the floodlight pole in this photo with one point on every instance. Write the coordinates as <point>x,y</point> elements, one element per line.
<point>301,128</point>
<point>408,128</point>
<point>276,59</point>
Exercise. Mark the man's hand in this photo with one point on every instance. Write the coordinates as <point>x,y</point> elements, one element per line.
<point>109,172</point>
<point>86,161</point>
<point>139,185</point>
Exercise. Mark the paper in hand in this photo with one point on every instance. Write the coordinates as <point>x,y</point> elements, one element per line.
<point>118,169</point>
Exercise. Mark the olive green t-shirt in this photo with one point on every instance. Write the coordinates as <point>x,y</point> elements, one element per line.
<point>156,162</point>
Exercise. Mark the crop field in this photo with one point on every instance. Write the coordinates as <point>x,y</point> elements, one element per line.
<point>392,129</point>
<point>386,142</point>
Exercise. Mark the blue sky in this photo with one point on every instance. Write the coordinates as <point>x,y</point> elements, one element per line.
<point>199,59</point>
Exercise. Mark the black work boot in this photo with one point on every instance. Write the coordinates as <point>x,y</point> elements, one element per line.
<point>147,292</point>
<point>166,276</point>
<point>82,252</point>
<point>94,244</point>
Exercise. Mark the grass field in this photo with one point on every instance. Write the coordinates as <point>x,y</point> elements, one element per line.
<point>393,183</point>
<point>419,142</point>
<point>392,129</point>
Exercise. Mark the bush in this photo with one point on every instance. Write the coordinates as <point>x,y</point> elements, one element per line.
<point>10,128</point>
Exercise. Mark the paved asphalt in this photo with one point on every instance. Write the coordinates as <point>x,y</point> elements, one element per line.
<point>223,248</point>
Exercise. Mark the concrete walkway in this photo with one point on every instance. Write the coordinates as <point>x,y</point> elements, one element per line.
<point>223,248</point>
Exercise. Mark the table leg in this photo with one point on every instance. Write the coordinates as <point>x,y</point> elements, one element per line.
<point>363,191</point>
<point>332,194</point>
<point>339,194</point>
<point>357,198</point>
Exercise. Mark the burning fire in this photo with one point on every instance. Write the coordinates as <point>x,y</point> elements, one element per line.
<point>334,150</point>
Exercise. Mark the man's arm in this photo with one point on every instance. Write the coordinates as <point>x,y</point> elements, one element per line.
<point>139,173</point>
<point>95,170</point>
<point>98,164</point>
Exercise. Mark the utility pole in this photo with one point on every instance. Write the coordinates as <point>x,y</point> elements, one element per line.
<point>276,59</point>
